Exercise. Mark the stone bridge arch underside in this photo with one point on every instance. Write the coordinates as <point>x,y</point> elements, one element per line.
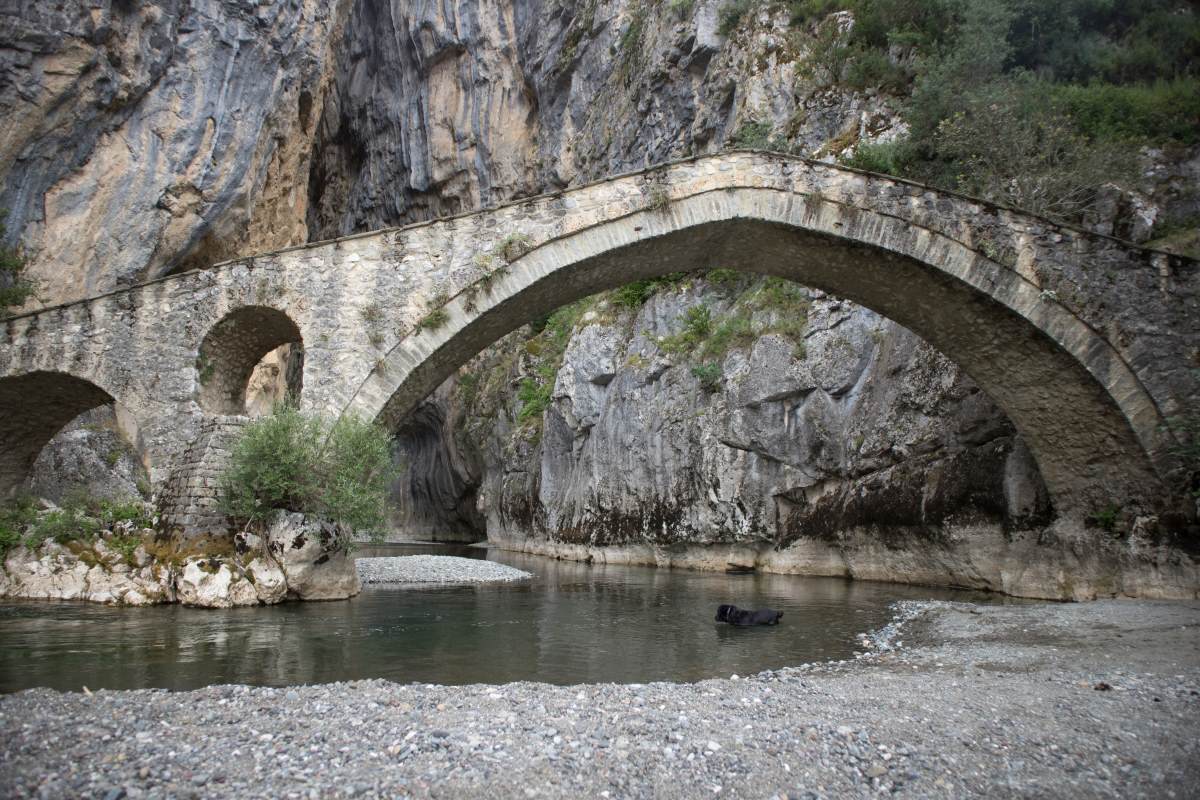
<point>1089,344</point>
<point>1098,434</point>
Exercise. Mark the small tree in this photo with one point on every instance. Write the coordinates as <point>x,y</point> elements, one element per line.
<point>301,462</point>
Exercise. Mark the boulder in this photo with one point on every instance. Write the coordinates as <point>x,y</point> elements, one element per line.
<point>314,557</point>
<point>212,583</point>
<point>270,584</point>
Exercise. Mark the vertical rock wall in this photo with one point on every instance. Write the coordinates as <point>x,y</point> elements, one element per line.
<point>148,137</point>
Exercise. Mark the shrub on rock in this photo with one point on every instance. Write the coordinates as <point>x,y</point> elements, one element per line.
<point>293,461</point>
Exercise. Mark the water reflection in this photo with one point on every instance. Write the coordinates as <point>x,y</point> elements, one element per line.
<point>574,623</point>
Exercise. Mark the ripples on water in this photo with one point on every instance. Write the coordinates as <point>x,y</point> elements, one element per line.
<point>574,623</point>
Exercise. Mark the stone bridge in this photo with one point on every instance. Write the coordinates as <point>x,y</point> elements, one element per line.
<point>1091,345</point>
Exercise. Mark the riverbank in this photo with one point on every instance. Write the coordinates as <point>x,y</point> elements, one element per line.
<point>1067,561</point>
<point>1088,700</point>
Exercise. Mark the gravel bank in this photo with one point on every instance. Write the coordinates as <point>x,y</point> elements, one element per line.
<point>435,569</point>
<point>1092,700</point>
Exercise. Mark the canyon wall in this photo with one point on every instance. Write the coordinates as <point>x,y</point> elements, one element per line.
<point>146,139</point>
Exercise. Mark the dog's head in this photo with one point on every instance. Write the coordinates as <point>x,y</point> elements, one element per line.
<point>723,612</point>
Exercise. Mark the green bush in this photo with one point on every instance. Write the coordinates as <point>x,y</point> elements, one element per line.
<point>111,512</point>
<point>735,330</point>
<point>535,395</point>
<point>1147,112</point>
<point>15,517</point>
<point>697,326</point>
<point>301,462</point>
<point>80,519</point>
<point>885,157</point>
<point>635,295</point>
<point>709,376</point>
<point>730,15</point>
<point>15,288</point>
<point>1071,86</point>
<point>1041,163</point>
<point>67,524</point>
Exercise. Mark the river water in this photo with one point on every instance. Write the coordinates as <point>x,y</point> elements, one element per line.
<point>573,623</point>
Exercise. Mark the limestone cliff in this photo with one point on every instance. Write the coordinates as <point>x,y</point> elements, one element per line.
<point>142,138</point>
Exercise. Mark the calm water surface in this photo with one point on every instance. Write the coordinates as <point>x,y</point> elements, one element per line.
<point>573,623</point>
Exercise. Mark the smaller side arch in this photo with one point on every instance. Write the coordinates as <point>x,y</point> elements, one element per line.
<point>33,408</point>
<point>232,349</point>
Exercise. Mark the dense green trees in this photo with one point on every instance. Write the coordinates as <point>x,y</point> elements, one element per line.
<point>1020,101</point>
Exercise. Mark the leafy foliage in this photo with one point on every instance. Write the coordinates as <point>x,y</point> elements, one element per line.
<point>1075,87</point>
<point>81,518</point>
<point>697,325</point>
<point>301,462</point>
<point>730,15</point>
<point>15,517</point>
<point>15,288</point>
<point>552,334</point>
<point>634,295</point>
<point>709,375</point>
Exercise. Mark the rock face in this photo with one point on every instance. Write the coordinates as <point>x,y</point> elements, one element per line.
<point>298,558</point>
<point>313,556</point>
<point>835,444</point>
<point>95,454</point>
<point>95,573</point>
<point>153,137</point>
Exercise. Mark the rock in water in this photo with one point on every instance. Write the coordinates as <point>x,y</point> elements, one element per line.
<point>314,557</point>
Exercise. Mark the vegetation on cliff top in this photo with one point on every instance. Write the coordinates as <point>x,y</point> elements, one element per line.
<point>339,471</point>
<point>1028,103</point>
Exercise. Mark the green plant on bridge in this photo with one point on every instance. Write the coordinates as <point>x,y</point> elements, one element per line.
<point>339,471</point>
<point>657,198</point>
<point>433,320</point>
<point>513,246</point>
<point>205,369</point>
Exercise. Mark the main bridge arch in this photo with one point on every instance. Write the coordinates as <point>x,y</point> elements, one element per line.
<point>1091,345</point>
<point>1094,429</point>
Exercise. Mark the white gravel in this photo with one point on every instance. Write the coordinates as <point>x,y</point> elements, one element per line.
<point>1072,701</point>
<point>436,569</point>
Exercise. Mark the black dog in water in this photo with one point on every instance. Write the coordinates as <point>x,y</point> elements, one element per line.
<point>736,616</point>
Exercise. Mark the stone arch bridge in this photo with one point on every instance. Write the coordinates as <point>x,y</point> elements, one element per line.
<point>1091,345</point>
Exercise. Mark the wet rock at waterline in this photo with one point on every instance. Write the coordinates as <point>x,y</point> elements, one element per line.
<point>314,556</point>
<point>85,572</point>
<point>212,583</point>
<point>298,558</point>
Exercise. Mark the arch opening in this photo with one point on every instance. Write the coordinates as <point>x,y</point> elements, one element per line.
<point>1036,361</point>
<point>251,359</point>
<point>33,408</point>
